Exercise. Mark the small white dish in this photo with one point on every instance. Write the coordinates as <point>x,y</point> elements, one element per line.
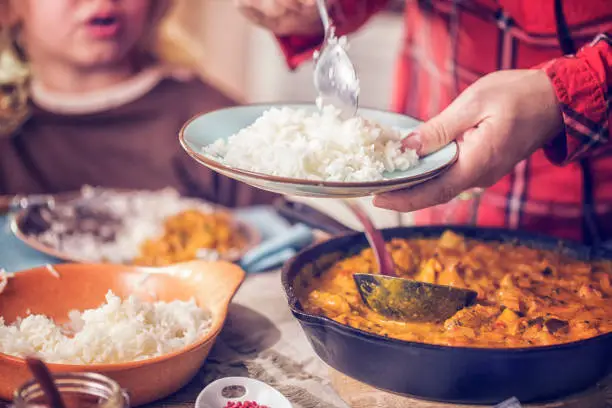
<point>239,389</point>
<point>203,130</point>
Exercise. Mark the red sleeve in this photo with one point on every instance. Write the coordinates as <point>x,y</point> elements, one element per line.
<point>583,84</point>
<point>348,16</point>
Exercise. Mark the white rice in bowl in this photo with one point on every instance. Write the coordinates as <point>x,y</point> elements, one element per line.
<point>116,332</point>
<point>300,144</point>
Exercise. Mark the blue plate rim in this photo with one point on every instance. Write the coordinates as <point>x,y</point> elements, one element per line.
<point>219,167</point>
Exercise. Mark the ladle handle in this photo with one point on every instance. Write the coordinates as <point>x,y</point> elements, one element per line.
<point>386,266</point>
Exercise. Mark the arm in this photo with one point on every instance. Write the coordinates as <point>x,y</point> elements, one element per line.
<point>583,86</point>
<point>348,16</point>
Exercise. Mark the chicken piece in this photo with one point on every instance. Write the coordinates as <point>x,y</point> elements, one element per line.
<point>329,302</point>
<point>450,276</point>
<point>406,261</point>
<point>509,295</point>
<point>510,320</point>
<point>473,261</point>
<point>589,292</point>
<point>585,334</point>
<point>484,252</point>
<point>460,336</point>
<point>472,317</point>
<point>451,240</point>
<point>604,283</point>
<point>429,271</point>
<point>581,269</point>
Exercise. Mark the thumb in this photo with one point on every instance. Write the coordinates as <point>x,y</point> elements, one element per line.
<point>442,129</point>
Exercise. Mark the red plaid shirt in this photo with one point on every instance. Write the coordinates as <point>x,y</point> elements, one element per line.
<point>564,189</point>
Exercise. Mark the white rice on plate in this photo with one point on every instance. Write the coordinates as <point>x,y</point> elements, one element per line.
<point>300,144</point>
<point>118,331</point>
<point>140,216</point>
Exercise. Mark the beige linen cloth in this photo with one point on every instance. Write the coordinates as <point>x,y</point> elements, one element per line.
<point>262,340</point>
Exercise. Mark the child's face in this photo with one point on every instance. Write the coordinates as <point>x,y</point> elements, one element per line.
<point>83,33</point>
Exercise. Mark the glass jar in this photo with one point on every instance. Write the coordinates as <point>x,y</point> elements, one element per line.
<point>78,390</point>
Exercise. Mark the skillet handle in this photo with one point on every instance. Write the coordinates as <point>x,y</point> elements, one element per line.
<point>305,214</point>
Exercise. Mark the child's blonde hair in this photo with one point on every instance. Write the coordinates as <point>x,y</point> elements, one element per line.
<point>163,41</point>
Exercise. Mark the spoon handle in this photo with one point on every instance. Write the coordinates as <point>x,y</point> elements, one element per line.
<point>41,373</point>
<point>386,266</point>
<point>322,5</point>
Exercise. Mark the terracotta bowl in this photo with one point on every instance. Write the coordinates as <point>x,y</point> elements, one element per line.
<point>83,286</point>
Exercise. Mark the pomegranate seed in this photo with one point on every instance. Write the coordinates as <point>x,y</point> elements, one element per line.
<point>244,404</point>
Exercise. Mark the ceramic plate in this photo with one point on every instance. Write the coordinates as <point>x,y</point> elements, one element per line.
<point>205,129</point>
<point>28,223</point>
<point>83,286</point>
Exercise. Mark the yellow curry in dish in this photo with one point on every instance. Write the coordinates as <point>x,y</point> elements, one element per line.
<point>526,297</point>
<point>189,232</point>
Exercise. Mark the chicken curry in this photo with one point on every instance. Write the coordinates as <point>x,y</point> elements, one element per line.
<point>189,232</point>
<point>526,297</point>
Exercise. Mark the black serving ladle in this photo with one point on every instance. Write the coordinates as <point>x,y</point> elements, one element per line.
<point>403,299</point>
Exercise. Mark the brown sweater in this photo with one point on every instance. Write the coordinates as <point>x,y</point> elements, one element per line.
<point>132,145</point>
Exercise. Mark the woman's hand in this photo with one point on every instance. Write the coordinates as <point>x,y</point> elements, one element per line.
<point>498,121</point>
<point>284,17</point>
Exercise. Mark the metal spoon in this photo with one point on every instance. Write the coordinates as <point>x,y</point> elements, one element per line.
<point>335,78</point>
<point>403,299</point>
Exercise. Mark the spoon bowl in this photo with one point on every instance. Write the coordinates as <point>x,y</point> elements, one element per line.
<point>408,300</point>
<point>335,78</point>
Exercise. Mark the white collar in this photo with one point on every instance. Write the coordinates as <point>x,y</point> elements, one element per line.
<point>105,99</point>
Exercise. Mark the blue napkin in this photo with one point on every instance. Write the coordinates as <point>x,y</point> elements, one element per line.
<point>280,241</point>
<point>275,251</point>
<point>265,219</point>
<point>15,255</point>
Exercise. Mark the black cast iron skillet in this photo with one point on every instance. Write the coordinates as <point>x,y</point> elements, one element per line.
<point>443,373</point>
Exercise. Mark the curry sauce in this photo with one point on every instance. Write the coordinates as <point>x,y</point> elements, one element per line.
<point>526,297</point>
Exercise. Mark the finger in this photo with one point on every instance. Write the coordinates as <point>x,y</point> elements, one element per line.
<point>309,3</point>
<point>246,3</point>
<point>297,5</point>
<point>460,116</point>
<point>463,175</point>
<point>267,8</point>
<point>431,193</point>
<point>254,15</point>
